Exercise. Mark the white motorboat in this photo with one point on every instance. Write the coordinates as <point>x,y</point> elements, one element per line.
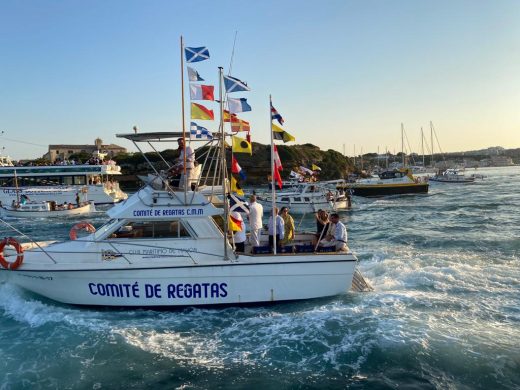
<point>309,197</point>
<point>164,248</point>
<point>48,209</point>
<point>452,176</point>
<point>159,251</point>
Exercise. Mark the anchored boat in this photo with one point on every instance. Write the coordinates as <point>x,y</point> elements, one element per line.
<point>452,176</point>
<point>61,183</point>
<point>395,182</point>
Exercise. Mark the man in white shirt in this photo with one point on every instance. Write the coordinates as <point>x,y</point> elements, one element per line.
<point>177,170</point>
<point>339,237</point>
<point>256,212</point>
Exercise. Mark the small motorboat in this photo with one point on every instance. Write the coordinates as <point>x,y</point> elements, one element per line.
<point>47,209</point>
<point>452,176</point>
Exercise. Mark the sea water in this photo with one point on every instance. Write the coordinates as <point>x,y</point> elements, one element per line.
<point>444,313</point>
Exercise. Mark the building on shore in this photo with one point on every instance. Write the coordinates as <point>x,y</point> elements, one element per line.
<point>501,161</point>
<point>63,152</point>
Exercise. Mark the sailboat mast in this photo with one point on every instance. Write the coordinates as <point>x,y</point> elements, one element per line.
<point>422,146</point>
<point>431,136</point>
<point>223,164</point>
<point>402,143</point>
<point>273,188</point>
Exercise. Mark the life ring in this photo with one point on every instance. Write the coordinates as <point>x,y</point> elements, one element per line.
<point>73,234</point>
<point>19,253</point>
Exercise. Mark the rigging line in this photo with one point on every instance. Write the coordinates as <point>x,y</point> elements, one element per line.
<point>438,143</point>
<point>232,54</point>
<point>409,148</point>
<point>30,239</point>
<point>23,142</point>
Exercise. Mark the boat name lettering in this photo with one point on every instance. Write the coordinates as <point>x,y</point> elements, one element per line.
<point>197,290</point>
<point>168,212</point>
<point>174,291</point>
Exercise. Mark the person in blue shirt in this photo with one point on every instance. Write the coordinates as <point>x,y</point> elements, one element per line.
<point>280,229</point>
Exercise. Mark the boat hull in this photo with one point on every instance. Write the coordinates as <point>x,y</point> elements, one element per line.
<point>383,190</point>
<point>230,283</point>
<point>453,181</point>
<point>76,212</point>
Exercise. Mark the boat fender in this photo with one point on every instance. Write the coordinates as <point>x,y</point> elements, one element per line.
<point>84,225</point>
<point>19,253</point>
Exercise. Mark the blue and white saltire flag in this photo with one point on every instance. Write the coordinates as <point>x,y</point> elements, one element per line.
<point>199,132</point>
<point>235,85</point>
<point>193,75</point>
<point>238,105</point>
<point>196,54</point>
<point>237,204</point>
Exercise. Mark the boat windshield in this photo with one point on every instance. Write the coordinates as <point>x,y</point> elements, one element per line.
<point>109,226</point>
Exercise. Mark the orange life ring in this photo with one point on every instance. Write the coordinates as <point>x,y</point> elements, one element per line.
<point>84,225</point>
<point>19,251</point>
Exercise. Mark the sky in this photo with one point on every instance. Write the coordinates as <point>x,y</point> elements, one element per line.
<point>344,74</point>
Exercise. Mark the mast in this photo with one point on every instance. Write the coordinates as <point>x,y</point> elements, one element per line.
<point>273,188</point>
<point>422,147</point>
<point>223,163</point>
<point>183,120</point>
<point>431,136</point>
<point>402,143</point>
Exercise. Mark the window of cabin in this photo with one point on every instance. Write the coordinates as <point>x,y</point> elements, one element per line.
<point>151,229</point>
<point>80,180</point>
<point>284,199</point>
<point>307,199</point>
<point>297,199</point>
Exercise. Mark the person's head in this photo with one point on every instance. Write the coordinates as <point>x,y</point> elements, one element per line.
<point>284,211</point>
<point>180,142</point>
<point>252,198</point>
<point>334,217</point>
<point>276,210</point>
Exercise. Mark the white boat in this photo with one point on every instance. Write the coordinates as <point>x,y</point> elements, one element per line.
<point>301,198</point>
<point>48,209</point>
<point>309,197</point>
<point>157,250</point>
<point>452,176</point>
<point>61,183</point>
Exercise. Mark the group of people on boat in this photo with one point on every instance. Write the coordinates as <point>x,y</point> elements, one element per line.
<point>330,231</point>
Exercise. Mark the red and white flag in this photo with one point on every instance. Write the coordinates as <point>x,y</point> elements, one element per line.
<point>277,167</point>
<point>201,92</point>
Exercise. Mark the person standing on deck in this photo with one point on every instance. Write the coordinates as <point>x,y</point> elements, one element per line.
<point>339,235</point>
<point>177,170</point>
<point>280,229</point>
<point>288,223</point>
<point>256,212</point>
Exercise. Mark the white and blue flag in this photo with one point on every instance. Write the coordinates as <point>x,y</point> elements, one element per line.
<point>193,75</point>
<point>235,85</point>
<point>196,54</point>
<point>199,132</point>
<point>238,105</point>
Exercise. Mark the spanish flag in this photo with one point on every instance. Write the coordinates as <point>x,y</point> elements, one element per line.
<point>240,145</point>
<point>234,224</point>
<point>235,187</point>
<point>198,111</point>
<point>281,134</point>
